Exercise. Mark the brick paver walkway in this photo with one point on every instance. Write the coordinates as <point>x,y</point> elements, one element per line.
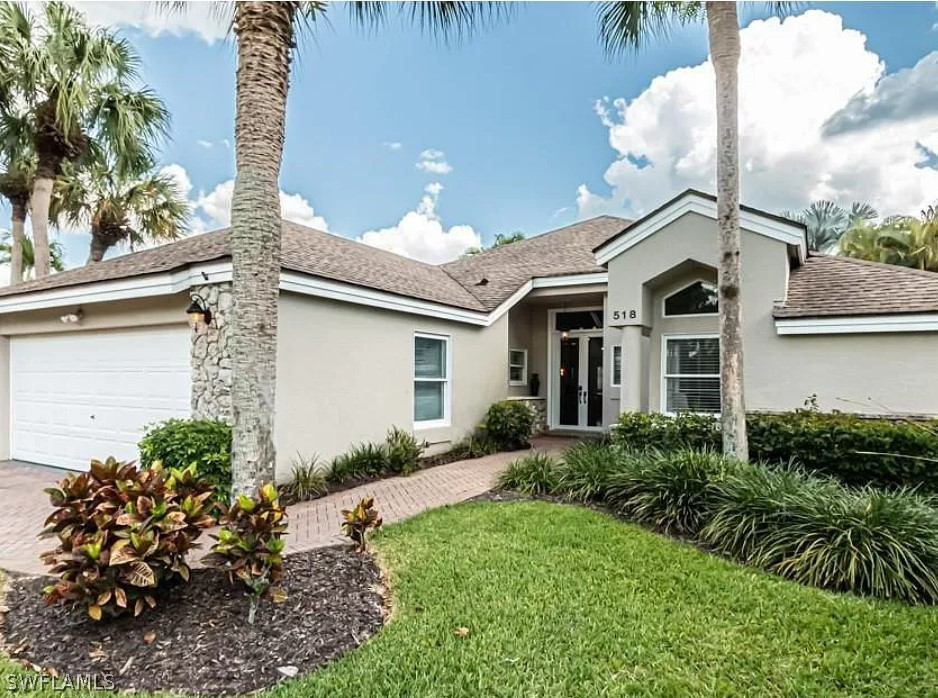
<point>23,505</point>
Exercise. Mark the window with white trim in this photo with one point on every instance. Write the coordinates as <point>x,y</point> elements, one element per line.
<point>691,374</point>
<point>616,368</point>
<point>431,380</point>
<point>517,367</point>
<point>698,298</point>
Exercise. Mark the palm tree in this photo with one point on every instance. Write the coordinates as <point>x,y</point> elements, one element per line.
<point>266,34</point>
<point>75,85</point>
<point>117,209</point>
<point>627,25</point>
<point>56,256</point>
<point>826,222</point>
<point>16,180</point>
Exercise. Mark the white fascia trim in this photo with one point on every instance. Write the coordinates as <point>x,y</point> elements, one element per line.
<point>567,281</point>
<point>148,285</point>
<point>790,234</point>
<point>335,290</point>
<point>866,324</point>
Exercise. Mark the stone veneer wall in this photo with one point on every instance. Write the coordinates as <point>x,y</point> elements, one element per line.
<point>211,360</point>
<point>538,406</point>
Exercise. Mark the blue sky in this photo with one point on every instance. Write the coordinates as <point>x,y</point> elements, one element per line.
<point>513,112</point>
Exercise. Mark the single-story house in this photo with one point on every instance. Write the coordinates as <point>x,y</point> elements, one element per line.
<point>596,318</point>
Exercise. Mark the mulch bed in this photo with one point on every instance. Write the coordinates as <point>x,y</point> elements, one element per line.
<point>203,643</point>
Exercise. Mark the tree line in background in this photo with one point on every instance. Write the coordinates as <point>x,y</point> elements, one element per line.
<point>908,241</point>
<point>78,139</point>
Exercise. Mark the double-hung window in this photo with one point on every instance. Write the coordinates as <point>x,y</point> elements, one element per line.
<point>431,380</point>
<point>691,375</point>
<point>517,367</point>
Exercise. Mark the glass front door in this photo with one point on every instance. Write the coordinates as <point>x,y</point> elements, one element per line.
<point>580,393</point>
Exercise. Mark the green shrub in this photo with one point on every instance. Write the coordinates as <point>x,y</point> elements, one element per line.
<point>178,443</point>
<point>856,450</point>
<point>671,492</point>
<point>359,521</point>
<point>584,474</point>
<point>509,423</point>
<point>403,451</point>
<point>250,545</point>
<point>307,481</point>
<point>817,532</point>
<point>123,534</point>
<point>362,461</point>
<point>533,474</point>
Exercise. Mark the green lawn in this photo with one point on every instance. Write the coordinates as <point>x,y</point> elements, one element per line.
<point>562,601</point>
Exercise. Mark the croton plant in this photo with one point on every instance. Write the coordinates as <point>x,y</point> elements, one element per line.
<point>249,546</point>
<point>123,534</point>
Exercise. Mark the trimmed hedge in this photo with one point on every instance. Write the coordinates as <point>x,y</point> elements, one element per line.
<point>178,443</point>
<point>812,530</point>
<point>856,450</point>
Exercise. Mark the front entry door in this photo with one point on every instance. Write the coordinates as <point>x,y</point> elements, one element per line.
<point>581,381</point>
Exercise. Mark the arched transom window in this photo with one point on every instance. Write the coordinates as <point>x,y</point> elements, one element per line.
<point>699,298</point>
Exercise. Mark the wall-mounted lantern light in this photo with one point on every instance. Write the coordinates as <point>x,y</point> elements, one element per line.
<point>198,312</point>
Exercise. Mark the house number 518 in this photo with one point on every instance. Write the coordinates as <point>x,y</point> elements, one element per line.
<point>622,314</point>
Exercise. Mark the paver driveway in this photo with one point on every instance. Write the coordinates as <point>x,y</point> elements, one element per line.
<point>24,506</point>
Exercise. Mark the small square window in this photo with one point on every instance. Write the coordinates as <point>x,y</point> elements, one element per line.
<point>517,367</point>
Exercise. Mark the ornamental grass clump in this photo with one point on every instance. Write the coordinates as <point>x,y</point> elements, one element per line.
<point>533,474</point>
<point>819,533</point>
<point>123,535</point>
<point>250,546</point>
<point>586,469</point>
<point>670,492</point>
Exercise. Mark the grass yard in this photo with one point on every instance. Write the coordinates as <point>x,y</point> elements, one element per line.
<point>563,601</point>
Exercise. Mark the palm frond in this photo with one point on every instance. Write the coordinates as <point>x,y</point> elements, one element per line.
<point>628,26</point>
<point>448,20</point>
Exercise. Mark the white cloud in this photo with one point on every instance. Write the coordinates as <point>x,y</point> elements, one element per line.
<point>795,77</point>
<point>393,145</point>
<point>202,19</point>
<point>421,235</point>
<point>204,144</point>
<point>213,210</point>
<point>434,162</point>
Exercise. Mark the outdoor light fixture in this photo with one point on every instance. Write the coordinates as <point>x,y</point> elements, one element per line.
<point>198,312</point>
<point>72,318</point>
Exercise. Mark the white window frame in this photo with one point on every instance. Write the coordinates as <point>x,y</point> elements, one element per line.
<point>665,338</point>
<point>446,380</point>
<point>612,366</point>
<point>664,312</point>
<point>524,368</point>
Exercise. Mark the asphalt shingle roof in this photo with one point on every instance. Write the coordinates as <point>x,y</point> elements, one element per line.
<point>828,286</point>
<point>822,286</point>
<point>495,274</point>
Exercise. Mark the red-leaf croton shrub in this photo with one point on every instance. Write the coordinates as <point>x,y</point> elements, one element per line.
<point>123,535</point>
<point>358,521</point>
<point>250,545</point>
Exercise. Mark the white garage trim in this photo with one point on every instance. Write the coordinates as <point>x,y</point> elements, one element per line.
<point>90,394</point>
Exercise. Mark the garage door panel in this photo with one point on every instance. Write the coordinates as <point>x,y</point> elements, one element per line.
<point>90,394</point>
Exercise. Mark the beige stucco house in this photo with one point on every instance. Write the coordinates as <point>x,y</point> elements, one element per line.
<point>583,322</point>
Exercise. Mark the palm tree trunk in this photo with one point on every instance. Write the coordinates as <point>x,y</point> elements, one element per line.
<point>99,247</point>
<point>17,231</point>
<point>265,40</point>
<point>723,30</point>
<point>39,216</point>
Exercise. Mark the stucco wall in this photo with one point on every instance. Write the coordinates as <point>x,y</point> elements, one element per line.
<point>871,373</point>
<point>519,337</point>
<point>161,310</point>
<point>345,374</point>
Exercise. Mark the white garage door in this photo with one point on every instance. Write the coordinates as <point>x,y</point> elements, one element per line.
<point>89,395</point>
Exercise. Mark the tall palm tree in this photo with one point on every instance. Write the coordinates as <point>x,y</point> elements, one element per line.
<point>827,221</point>
<point>27,271</point>
<point>118,208</point>
<point>266,34</point>
<point>19,167</point>
<point>628,25</point>
<point>76,86</point>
